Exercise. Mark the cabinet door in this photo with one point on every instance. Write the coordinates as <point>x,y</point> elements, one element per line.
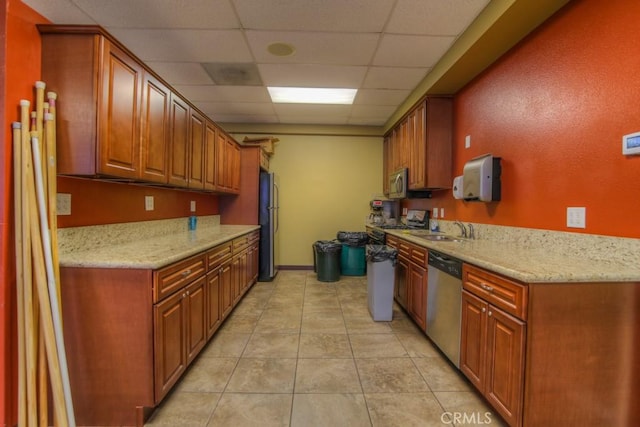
<point>473,337</point>
<point>236,167</point>
<point>119,112</point>
<point>210,156</point>
<point>196,150</point>
<point>169,344</point>
<point>196,318</point>
<point>179,135</point>
<point>154,130</point>
<point>505,364</point>
<point>236,275</point>
<point>213,293</point>
<point>221,158</point>
<point>386,168</point>
<point>226,289</point>
<point>254,260</point>
<point>401,282</point>
<point>417,172</point>
<point>417,298</point>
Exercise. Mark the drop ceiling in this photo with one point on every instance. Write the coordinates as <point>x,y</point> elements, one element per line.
<point>383,48</point>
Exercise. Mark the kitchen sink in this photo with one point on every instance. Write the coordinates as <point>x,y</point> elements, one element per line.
<point>439,238</point>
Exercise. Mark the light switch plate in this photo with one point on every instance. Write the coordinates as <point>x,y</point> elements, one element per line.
<point>63,204</point>
<point>577,217</point>
<point>148,203</point>
<point>193,206</point>
<point>434,213</point>
<point>467,141</point>
<point>441,212</point>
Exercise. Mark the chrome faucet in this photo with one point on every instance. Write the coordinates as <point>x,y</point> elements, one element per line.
<point>463,230</point>
<point>472,233</point>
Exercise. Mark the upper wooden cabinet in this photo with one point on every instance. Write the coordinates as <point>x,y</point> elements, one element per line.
<point>421,142</point>
<point>118,119</point>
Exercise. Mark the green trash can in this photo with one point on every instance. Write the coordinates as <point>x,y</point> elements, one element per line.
<point>353,259</point>
<point>327,260</point>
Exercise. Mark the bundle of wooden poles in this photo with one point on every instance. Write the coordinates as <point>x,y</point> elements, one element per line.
<point>42,362</point>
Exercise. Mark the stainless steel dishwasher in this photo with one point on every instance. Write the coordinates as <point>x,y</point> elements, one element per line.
<point>444,303</point>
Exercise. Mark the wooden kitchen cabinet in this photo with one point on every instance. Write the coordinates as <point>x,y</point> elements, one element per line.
<point>421,141</point>
<point>155,140</point>
<point>410,280</point>
<point>99,112</point>
<point>197,133</point>
<point>492,353</point>
<point>132,333</point>
<point>180,334</point>
<point>118,119</point>
<point>243,208</point>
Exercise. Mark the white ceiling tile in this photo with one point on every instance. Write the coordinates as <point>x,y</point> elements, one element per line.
<point>314,15</point>
<point>219,94</point>
<point>379,111</point>
<point>366,121</point>
<point>393,77</point>
<point>185,45</point>
<point>434,17</point>
<point>246,108</point>
<point>233,118</point>
<point>210,14</point>
<point>315,119</point>
<point>294,75</point>
<point>380,96</point>
<point>181,73</point>
<point>60,11</point>
<point>315,48</point>
<point>411,51</point>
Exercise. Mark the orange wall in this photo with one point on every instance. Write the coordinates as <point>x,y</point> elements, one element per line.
<point>555,109</point>
<point>22,69</point>
<point>102,202</point>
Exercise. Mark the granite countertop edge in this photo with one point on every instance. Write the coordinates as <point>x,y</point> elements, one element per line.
<point>531,264</point>
<point>154,252</point>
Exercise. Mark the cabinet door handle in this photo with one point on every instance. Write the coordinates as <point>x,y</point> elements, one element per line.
<point>490,313</point>
<point>484,309</point>
<point>187,293</point>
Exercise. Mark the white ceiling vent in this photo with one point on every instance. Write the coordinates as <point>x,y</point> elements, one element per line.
<point>226,74</point>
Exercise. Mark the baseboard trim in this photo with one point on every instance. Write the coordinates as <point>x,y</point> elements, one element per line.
<point>296,267</point>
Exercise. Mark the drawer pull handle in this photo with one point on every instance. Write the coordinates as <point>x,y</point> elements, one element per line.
<point>484,309</point>
<point>186,272</point>
<point>486,287</point>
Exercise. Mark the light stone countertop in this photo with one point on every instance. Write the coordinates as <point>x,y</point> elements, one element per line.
<point>142,245</point>
<point>542,256</point>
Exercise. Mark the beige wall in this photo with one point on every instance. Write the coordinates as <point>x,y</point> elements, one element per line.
<point>326,183</point>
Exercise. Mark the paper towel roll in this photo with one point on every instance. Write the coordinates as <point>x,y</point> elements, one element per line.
<point>457,187</point>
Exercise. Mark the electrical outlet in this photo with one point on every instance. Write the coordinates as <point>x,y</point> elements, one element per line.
<point>404,211</point>
<point>193,206</point>
<point>577,217</point>
<point>467,141</point>
<point>434,213</point>
<point>148,203</point>
<point>63,204</point>
<point>441,212</point>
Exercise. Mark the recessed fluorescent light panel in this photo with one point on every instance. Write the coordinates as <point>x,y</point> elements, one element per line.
<point>311,95</point>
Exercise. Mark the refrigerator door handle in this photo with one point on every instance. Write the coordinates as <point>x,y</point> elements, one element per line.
<point>277,206</point>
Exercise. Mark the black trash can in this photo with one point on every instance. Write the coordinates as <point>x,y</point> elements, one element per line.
<point>327,260</point>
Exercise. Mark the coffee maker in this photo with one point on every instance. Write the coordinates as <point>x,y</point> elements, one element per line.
<point>384,212</point>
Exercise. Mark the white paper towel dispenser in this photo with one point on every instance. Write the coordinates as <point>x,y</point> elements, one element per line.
<point>481,179</point>
<point>457,187</point>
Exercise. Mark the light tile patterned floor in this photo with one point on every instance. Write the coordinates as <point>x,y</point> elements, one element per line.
<point>299,352</point>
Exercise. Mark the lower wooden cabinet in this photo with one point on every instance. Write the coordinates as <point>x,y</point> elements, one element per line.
<point>492,351</point>
<point>131,334</point>
<point>410,283</point>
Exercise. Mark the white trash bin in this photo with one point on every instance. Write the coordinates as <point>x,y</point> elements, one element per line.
<point>380,276</point>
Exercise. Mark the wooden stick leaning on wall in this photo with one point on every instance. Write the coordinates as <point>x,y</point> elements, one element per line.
<point>49,310</point>
<point>30,313</point>
<point>18,225</point>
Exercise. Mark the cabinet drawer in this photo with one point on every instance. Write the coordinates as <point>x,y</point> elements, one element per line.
<point>240,243</point>
<point>505,293</point>
<point>254,236</point>
<point>404,249</point>
<point>218,255</point>
<point>419,255</point>
<point>170,279</point>
<point>392,241</point>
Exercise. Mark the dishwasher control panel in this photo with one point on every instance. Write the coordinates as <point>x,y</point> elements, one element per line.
<point>446,263</point>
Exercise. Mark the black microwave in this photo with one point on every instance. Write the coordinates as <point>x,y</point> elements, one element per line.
<point>398,182</point>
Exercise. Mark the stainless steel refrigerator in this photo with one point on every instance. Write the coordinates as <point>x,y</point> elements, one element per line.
<point>269,223</point>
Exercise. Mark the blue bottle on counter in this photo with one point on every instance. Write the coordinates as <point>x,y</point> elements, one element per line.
<point>193,222</point>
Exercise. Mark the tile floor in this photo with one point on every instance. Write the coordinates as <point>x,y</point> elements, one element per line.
<point>299,352</point>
